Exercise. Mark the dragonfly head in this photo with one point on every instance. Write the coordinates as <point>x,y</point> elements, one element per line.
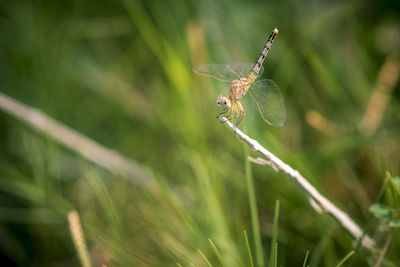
<point>223,102</point>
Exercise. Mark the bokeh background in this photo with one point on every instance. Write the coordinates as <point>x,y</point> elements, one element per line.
<point>120,73</point>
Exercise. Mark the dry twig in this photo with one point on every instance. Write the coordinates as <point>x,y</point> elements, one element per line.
<point>384,249</point>
<point>323,203</point>
<point>77,142</point>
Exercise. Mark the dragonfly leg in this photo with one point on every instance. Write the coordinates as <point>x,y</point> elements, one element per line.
<point>232,112</point>
<point>222,114</point>
<point>237,113</point>
<point>241,111</point>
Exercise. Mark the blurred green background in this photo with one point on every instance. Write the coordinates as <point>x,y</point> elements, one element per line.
<point>120,72</point>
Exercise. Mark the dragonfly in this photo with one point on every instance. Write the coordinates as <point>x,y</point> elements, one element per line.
<point>265,93</point>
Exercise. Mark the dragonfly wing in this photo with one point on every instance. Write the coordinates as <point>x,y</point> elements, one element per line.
<point>227,72</point>
<point>268,98</point>
<point>242,70</point>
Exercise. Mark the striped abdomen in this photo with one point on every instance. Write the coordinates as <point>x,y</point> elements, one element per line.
<point>256,69</point>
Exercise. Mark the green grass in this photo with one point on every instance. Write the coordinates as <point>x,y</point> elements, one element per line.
<point>120,72</point>
<point>345,258</point>
<point>217,253</point>
<point>248,249</point>
<point>273,258</point>
<point>253,211</point>
<point>305,258</point>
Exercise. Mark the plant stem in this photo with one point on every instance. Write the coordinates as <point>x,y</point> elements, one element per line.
<point>217,253</point>
<point>384,249</point>
<point>248,249</point>
<point>274,244</point>
<point>253,212</point>
<point>345,258</point>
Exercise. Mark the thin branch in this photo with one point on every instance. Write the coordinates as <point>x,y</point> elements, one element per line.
<point>384,249</point>
<point>77,142</point>
<point>262,161</point>
<point>322,202</point>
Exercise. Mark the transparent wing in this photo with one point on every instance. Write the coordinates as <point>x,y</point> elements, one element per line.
<point>268,98</point>
<point>227,72</point>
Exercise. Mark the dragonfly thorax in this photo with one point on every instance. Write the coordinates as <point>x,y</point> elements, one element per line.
<point>239,89</point>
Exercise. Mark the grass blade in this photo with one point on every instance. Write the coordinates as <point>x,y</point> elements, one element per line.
<point>345,258</point>
<point>248,249</point>
<point>253,213</point>
<point>274,245</point>
<point>216,251</point>
<point>276,255</point>
<point>204,257</point>
<point>323,243</point>
<point>305,258</point>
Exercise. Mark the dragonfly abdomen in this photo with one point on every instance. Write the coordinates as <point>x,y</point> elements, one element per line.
<point>256,69</point>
